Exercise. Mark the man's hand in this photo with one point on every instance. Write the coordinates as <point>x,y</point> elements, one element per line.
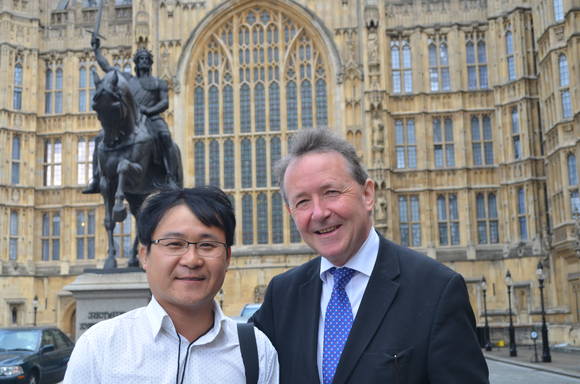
<point>95,42</point>
<point>144,110</point>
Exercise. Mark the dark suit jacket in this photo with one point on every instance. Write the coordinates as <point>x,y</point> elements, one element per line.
<point>414,324</point>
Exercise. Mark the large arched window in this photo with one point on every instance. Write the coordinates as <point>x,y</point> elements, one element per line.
<point>258,75</point>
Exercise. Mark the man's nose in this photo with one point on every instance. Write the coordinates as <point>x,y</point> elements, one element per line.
<point>319,209</point>
<point>190,258</point>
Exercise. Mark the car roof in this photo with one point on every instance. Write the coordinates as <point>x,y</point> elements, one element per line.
<point>28,328</point>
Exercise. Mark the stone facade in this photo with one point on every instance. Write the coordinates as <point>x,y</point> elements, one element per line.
<point>466,113</point>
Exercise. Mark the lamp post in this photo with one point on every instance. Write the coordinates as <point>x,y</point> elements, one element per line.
<point>486,328</point>
<point>546,357</point>
<point>35,307</point>
<point>508,281</point>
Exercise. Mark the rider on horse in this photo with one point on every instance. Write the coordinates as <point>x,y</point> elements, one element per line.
<point>151,93</point>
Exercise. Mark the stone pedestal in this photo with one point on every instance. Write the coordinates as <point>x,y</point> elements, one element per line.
<point>101,295</point>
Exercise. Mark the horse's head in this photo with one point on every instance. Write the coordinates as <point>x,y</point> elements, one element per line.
<point>115,106</point>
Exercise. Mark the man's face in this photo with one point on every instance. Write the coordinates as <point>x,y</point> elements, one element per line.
<point>188,282</point>
<point>330,209</point>
<point>143,62</point>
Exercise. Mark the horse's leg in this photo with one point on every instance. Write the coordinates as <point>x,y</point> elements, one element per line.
<point>135,202</point>
<point>107,193</point>
<point>119,209</point>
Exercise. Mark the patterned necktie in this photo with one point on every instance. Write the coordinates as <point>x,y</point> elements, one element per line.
<point>337,323</point>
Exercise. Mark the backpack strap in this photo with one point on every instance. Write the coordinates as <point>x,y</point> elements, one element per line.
<point>249,351</point>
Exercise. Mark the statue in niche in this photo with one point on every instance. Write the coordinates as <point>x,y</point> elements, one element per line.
<point>378,132</point>
<point>373,48</point>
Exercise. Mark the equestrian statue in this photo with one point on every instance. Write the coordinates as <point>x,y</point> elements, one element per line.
<point>134,152</point>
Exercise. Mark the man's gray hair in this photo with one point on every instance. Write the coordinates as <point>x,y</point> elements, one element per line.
<point>319,140</point>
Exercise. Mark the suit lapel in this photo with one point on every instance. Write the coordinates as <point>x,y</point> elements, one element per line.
<point>309,317</point>
<point>379,294</point>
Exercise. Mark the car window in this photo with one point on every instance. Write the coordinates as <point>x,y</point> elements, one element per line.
<point>47,338</point>
<point>249,310</point>
<point>18,340</point>
<point>60,340</point>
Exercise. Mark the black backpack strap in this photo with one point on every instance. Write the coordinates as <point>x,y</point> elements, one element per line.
<point>249,351</point>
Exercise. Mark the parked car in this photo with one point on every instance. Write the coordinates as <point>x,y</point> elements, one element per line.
<point>247,312</point>
<point>36,355</point>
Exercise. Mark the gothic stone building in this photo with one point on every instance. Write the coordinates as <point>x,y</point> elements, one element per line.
<point>466,113</point>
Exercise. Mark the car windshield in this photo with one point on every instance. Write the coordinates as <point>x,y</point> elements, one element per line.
<point>19,339</point>
<point>249,310</point>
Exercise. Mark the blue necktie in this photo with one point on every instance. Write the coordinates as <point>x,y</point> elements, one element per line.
<point>337,323</point>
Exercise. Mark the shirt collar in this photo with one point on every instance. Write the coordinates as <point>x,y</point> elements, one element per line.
<point>160,321</point>
<point>363,261</point>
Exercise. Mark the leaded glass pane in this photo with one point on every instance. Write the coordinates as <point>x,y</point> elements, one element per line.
<point>199,112</point>
<point>476,148</point>
<point>403,214</point>
<point>472,77</point>
<point>262,217</point>
<point>274,94</point>
<point>572,173</point>
<point>415,209</point>
<point>246,164</point>
<point>396,81</point>
<point>294,234</point>
<point>229,164</point>
<point>432,55</point>
<point>412,156</point>
<point>292,106</point>
<point>261,173</point>
<point>260,107</point>
<point>566,104</point>
<point>306,95</point>
<point>247,220</point>
<point>275,154</point>
<point>321,103</point>
<point>245,109</point>
<point>395,57</point>
<point>406,56</point>
<point>470,53</point>
<point>558,10</point>
<point>214,163</point>
<point>491,206</point>
<point>228,109</point>
<point>399,134</point>
<point>214,111</point>
<point>277,219</point>
<point>199,156</point>
<point>453,210</point>
<point>441,209</point>
<point>483,79</point>
<point>480,205</point>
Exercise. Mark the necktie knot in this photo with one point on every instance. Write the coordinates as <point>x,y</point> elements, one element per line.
<point>341,276</point>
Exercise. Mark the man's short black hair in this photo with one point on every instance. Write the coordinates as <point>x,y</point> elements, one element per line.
<point>209,204</point>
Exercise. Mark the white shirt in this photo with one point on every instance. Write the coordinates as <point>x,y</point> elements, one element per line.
<point>141,346</point>
<point>363,263</point>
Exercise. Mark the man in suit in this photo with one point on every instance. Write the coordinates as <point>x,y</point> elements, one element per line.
<point>368,310</point>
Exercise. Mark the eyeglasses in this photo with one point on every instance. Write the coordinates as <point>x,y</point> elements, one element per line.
<point>178,247</point>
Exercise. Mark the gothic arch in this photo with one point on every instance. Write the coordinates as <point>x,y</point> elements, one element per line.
<point>251,74</point>
<point>303,17</point>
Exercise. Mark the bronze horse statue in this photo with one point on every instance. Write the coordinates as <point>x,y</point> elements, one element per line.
<point>130,165</point>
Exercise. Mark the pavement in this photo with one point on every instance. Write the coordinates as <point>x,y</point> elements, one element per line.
<point>565,360</point>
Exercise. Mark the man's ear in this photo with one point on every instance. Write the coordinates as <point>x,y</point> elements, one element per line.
<point>369,194</point>
<point>228,256</point>
<point>143,256</point>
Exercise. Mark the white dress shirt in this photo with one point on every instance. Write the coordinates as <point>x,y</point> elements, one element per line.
<point>363,263</point>
<point>141,346</point>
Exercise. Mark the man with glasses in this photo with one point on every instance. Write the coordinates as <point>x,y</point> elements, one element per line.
<point>182,336</point>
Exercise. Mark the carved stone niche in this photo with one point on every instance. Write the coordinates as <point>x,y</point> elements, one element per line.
<point>371,15</point>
